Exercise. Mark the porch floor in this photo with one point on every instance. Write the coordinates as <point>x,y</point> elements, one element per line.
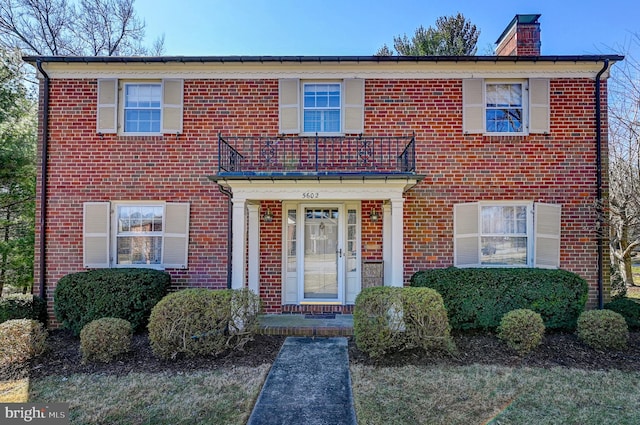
<point>306,325</point>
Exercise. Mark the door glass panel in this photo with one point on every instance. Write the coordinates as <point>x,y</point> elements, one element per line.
<point>352,253</point>
<point>291,240</point>
<point>321,253</point>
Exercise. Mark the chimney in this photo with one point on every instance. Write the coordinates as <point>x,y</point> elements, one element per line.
<point>521,37</point>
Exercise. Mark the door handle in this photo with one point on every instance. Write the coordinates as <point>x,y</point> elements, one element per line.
<point>340,253</point>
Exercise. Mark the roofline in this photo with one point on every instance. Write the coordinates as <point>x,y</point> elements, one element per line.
<point>316,59</point>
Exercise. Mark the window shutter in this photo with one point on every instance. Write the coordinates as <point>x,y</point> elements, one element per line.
<point>466,235</point>
<point>353,106</point>
<point>473,120</point>
<point>176,235</point>
<point>289,106</point>
<point>107,119</point>
<point>172,98</point>
<point>539,115</point>
<point>547,235</point>
<point>95,228</point>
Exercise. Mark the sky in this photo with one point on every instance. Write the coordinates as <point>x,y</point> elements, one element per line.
<point>360,28</point>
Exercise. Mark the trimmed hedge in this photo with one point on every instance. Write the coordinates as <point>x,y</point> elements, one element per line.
<point>199,322</point>
<point>389,319</point>
<point>127,294</point>
<point>629,309</point>
<point>522,330</point>
<point>477,298</point>
<point>105,339</point>
<point>21,340</point>
<point>603,330</point>
<point>18,306</point>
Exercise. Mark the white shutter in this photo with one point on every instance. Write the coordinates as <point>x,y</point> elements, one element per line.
<point>466,235</point>
<point>353,106</point>
<point>107,113</point>
<point>289,105</point>
<point>172,99</point>
<point>539,110</point>
<point>547,235</point>
<point>95,238</point>
<point>473,120</point>
<point>176,235</point>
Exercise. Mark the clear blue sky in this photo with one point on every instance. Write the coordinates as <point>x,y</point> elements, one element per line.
<point>344,27</point>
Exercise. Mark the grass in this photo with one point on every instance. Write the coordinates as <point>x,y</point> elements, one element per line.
<point>494,395</point>
<point>205,397</point>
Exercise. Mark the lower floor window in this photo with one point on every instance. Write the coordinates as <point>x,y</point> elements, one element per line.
<point>139,234</point>
<point>504,235</point>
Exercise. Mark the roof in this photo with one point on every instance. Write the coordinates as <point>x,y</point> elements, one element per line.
<point>316,59</point>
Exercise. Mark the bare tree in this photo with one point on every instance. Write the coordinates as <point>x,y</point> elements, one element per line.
<point>81,28</point>
<point>624,168</point>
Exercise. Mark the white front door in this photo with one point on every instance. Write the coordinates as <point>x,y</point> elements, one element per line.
<point>321,254</point>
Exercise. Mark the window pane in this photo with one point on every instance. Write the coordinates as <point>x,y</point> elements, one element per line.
<point>321,108</point>
<point>504,251</point>
<point>504,112</point>
<point>142,108</point>
<point>139,249</point>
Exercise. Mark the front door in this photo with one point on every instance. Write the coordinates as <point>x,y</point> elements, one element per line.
<point>322,253</point>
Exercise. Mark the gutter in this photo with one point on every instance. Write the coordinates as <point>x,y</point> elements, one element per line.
<point>43,181</point>
<point>228,193</point>
<point>599,184</point>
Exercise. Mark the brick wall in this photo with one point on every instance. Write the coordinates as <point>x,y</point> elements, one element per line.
<point>556,168</point>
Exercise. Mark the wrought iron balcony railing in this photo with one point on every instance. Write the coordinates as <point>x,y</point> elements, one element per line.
<point>319,155</point>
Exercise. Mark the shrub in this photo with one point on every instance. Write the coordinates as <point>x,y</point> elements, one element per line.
<point>478,298</point>
<point>18,306</point>
<point>388,319</point>
<point>21,339</point>
<point>522,330</point>
<point>603,329</point>
<point>104,339</point>
<point>200,321</point>
<point>629,309</point>
<point>128,294</point>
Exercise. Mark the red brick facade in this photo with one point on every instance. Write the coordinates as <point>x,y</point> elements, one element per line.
<point>85,166</point>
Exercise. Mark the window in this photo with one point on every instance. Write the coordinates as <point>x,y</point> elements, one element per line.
<point>139,234</point>
<point>142,108</point>
<point>135,234</point>
<point>504,108</point>
<point>507,234</point>
<point>321,108</point>
<point>504,235</point>
<point>139,107</point>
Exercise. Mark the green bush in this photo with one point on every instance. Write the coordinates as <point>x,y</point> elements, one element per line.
<point>629,309</point>
<point>21,339</point>
<point>603,329</point>
<point>197,322</point>
<point>478,298</point>
<point>128,294</point>
<point>522,330</point>
<point>104,339</point>
<point>18,306</point>
<point>388,319</point>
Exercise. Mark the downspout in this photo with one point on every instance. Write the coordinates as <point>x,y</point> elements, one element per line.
<point>43,180</point>
<point>599,185</point>
<point>229,195</point>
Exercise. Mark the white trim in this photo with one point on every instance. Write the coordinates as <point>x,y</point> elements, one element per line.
<point>238,247</point>
<point>253,245</point>
<point>386,243</point>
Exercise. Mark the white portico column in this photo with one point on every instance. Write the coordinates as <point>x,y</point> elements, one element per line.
<point>254,247</point>
<point>238,235</point>
<point>397,242</point>
<point>386,242</point>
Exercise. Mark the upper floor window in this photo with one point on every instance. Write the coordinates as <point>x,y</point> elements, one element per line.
<point>321,108</point>
<point>142,108</point>
<point>504,108</point>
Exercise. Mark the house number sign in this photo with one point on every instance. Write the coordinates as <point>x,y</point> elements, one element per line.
<point>310,195</point>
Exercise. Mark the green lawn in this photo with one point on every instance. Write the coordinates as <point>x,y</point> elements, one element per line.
<point>494,395</point>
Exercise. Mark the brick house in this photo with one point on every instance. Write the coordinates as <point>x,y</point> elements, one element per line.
<point>309,178</point>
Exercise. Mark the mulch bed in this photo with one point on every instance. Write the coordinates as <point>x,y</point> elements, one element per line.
<point>63,356</point>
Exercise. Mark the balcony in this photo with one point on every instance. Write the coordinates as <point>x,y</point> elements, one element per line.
<point>295,156</point>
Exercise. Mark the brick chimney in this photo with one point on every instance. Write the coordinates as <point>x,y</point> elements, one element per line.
<point>520,38</point>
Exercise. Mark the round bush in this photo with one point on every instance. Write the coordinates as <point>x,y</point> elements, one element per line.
<point>603,329</point>
<point>629,309</point>
<point>197,322</point>
<point>104,339</point>
<point>426,321</point>
<point>522,330</point>
<point>128,294</point>
<point>21,339</point>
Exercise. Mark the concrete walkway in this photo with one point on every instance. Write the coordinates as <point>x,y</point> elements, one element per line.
<point>309,383</point>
